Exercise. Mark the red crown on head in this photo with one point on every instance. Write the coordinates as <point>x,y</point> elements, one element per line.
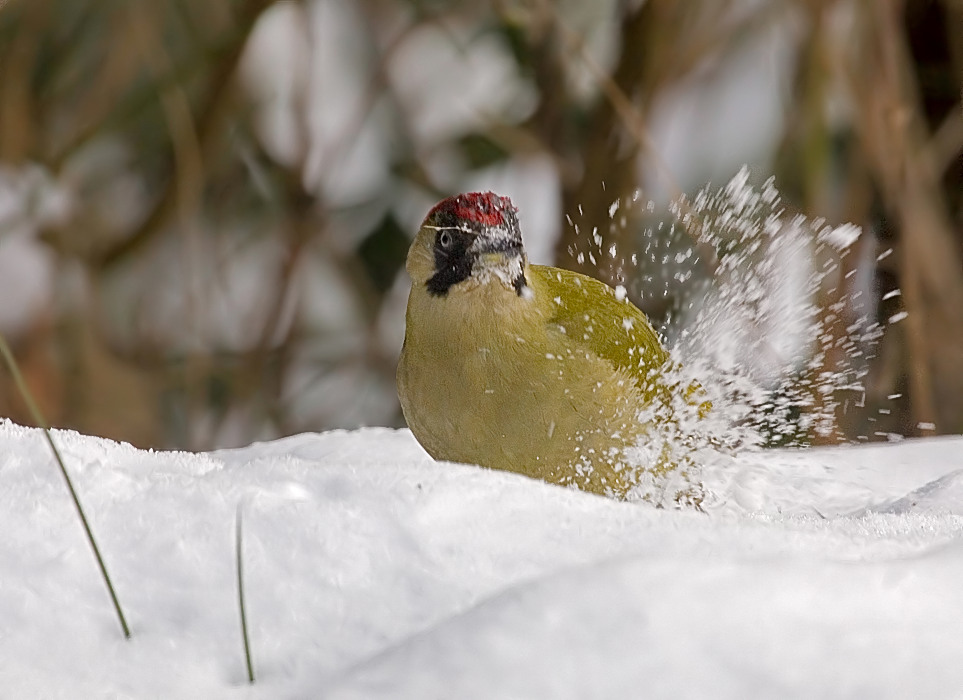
<point>484,208</point>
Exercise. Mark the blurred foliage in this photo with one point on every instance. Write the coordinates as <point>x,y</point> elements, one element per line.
<point>205,207</point>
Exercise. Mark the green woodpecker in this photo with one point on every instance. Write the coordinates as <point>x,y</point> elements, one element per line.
<point>521,367</point>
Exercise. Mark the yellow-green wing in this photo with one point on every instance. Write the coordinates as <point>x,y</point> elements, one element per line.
<point>594,318</point>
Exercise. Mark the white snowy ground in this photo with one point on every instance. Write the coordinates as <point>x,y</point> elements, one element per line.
<point>373,572</point>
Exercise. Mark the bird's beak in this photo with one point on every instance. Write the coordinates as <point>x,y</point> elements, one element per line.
<point>492,251</point>
<point>504,257</point>
<point>497,258</point>
<point>500,253</point>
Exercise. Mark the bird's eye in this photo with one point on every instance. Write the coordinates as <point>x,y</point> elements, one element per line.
<point>444,239</point>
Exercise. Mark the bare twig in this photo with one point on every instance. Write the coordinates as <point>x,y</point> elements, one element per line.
<point>893,133</point>
<point>205,125</point>
<point>947,141</point>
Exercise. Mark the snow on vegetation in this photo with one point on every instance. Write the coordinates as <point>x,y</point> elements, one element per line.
<point>372,571</point>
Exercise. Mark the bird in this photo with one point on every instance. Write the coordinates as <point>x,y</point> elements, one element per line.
<point>520,367</point>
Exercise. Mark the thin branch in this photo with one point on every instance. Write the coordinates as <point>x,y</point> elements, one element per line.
<point>205,128</point>
<point>946,144</point>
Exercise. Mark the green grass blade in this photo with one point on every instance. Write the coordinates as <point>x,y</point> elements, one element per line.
<point>40,421</point>
<point>240,598</point>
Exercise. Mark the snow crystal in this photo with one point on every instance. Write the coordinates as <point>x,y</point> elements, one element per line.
<point>841,237</point>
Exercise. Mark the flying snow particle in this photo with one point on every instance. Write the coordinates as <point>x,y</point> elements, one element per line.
<point>841,237</point>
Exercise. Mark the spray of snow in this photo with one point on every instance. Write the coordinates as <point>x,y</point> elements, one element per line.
<point>765,329</point>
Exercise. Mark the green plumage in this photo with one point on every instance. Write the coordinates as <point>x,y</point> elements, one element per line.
<point>548,383</point>
<point>526,368</point>
<point>598,321</point>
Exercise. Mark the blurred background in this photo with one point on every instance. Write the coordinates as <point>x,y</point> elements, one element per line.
<point>205,207</point>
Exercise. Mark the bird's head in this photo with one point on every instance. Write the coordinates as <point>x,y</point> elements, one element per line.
<point>469,239</point>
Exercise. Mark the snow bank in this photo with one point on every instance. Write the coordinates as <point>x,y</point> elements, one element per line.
<point>372,571</point>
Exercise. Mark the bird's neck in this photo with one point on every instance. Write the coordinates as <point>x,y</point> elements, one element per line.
<point>470,311</point>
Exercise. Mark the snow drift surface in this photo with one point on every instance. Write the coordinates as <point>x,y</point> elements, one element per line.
<point>373,572</point>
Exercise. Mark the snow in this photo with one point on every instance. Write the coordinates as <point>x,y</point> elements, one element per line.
<point>841,237</point>
<point>372,571</point>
